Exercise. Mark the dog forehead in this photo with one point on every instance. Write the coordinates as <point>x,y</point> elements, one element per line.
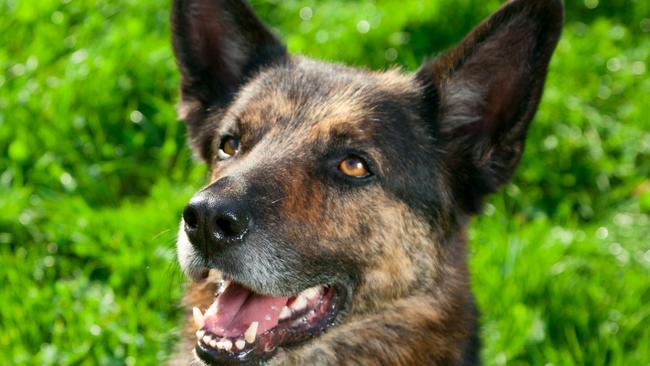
<point>318,99</point>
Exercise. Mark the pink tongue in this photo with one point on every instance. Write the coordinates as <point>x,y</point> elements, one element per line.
<point>237,307</point>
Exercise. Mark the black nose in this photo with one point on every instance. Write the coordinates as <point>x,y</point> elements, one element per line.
<point>212,222</point>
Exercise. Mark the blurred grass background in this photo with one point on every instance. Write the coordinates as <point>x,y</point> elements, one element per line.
<point>94,172</point>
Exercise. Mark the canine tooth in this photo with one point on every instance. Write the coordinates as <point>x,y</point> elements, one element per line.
<point>299,304</point>
<point>311,293</point>
<point>251,332</point>
<point>207,339</point>
<point>285,313</point>
<point>240,344</point>
<point>227,345</point>
<point>200,334</point>
<point>199,322</point>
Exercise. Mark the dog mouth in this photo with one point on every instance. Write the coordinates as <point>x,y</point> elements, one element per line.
<point>242,326</point>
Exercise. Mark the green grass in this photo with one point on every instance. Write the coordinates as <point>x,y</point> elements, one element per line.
<point>94,173</point>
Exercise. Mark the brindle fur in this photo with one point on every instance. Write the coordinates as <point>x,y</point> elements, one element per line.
<point>439,141</point>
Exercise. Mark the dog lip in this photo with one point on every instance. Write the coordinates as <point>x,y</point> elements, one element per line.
<point>217,274</point>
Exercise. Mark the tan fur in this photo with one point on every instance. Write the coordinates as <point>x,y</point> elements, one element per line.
<point>394,303</point>
<point>394,244</point>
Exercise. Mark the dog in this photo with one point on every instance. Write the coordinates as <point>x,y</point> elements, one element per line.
<point>332,230</point>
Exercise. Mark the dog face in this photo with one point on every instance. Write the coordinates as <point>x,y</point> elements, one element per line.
<point>316,144</point>
<point>334,191</point>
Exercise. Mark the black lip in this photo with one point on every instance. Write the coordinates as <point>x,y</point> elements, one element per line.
<point>215,358</point>
<point>254,357</point>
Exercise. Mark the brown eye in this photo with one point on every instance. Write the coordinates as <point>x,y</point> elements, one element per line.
<point>354,167</point>
<point>229,147</point>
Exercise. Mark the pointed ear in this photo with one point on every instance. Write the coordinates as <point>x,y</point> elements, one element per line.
<point>218,45</point>
<point>485,91</point>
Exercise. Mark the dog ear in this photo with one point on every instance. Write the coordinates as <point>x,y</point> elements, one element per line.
<point>218,45</point>
<point>484,92</point>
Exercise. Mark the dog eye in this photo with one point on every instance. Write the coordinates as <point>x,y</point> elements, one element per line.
<point>354,167</point>
<point>229,147</point>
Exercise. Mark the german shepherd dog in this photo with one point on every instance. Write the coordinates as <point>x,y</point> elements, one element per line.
<point>332,228</point>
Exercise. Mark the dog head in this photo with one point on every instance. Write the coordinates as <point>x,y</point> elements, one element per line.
<point>339,181</point>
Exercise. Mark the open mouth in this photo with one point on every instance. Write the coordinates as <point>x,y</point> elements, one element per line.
<point>241,326</point>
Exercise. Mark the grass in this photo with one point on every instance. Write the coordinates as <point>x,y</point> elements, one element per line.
<point>94,173</point>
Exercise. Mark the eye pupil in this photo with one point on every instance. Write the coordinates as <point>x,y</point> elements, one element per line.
<point>354,164</point>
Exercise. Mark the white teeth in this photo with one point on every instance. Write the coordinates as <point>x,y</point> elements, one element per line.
<point>200,334</point>
<point>251,332</point>
<point>285,313</point>
<point>240,344</point>
<point>213,343</point>
<point>311,293</point>
<point>220,344</point>
<point>227,345</point>
<point>299,304</point>
<point>199,322</point>
<point>207,339</point>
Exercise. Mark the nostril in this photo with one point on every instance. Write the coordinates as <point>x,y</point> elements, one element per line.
<point>227,227</point>
<point>191,218</point>
<point>232,225</point>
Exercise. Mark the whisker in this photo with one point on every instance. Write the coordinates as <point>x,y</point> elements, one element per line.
<point>279,199</point>
<point>161,234</point>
